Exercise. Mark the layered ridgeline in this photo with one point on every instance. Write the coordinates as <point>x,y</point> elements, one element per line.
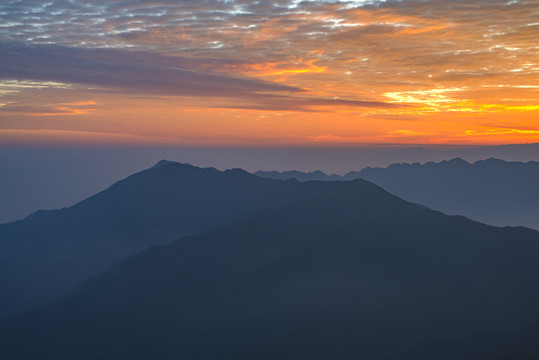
<point>352,272</point>
<point>50,252</point>
<point>492,191</point>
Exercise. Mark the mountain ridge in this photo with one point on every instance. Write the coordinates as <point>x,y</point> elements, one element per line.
<point>492,191</point>
<point>156,205</point>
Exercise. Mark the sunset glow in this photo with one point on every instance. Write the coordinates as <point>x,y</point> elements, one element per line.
<point>269,72</point>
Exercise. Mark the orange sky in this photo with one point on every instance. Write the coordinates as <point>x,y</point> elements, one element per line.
<point>270,73</point>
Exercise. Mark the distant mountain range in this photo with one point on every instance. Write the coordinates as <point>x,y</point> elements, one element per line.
<point>33,178</point>
<point>493,191</point>
<point>330,270</point>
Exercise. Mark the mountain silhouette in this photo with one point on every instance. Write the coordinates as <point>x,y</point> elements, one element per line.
<point>349,272</point>
<point>298,175</point>
<point>520,344</point>
<point>493,191</point>
<point>50,252</point>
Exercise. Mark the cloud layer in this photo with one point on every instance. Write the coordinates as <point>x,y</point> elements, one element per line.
<point>442,59</point>
<point>145,72</point>
<point>118,68</point>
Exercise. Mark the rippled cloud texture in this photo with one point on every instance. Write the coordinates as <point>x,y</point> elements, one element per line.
<point>273,72</point>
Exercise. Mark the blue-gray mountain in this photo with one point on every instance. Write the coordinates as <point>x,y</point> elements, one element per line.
<point>493,191</point>
<point>50,252</point>
<point>348,272</point>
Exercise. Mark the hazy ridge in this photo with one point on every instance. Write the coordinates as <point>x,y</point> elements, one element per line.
<point>493,191</point>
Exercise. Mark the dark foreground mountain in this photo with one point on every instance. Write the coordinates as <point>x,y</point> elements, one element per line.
<point>50,252</point>
<point>492,191</point>
<point>351,273</point>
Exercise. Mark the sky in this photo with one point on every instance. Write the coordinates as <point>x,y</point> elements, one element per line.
<point>268,73</point>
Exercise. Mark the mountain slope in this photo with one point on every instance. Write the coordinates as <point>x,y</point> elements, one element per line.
<point>351,273</point>
<point>493,191</point>
<point>49,252</point>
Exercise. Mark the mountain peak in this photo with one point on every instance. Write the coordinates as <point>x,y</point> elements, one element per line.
<point>457,161</point>
<point>164,162</point>
<point>494,161</point>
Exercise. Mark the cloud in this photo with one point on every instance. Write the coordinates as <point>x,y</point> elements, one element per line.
<point>131,71</point>
<point>281,103</point>
<point>118,68</point>
<point>75,108</point>
<point>405,38</point>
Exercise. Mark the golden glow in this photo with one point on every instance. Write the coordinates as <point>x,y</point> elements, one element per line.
<point>284,68</point>
<point>435,98</point>
<point>502,132</point>
<point>69,109</point>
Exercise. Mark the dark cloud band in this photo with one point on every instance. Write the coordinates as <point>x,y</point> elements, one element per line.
<point>151,73</point>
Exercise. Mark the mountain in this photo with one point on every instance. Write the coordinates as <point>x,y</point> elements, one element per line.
<point>521,344</point>
<point>493,191</point>
<point>43,177</point>
<point>50,252</point>
<point>351,272</point>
